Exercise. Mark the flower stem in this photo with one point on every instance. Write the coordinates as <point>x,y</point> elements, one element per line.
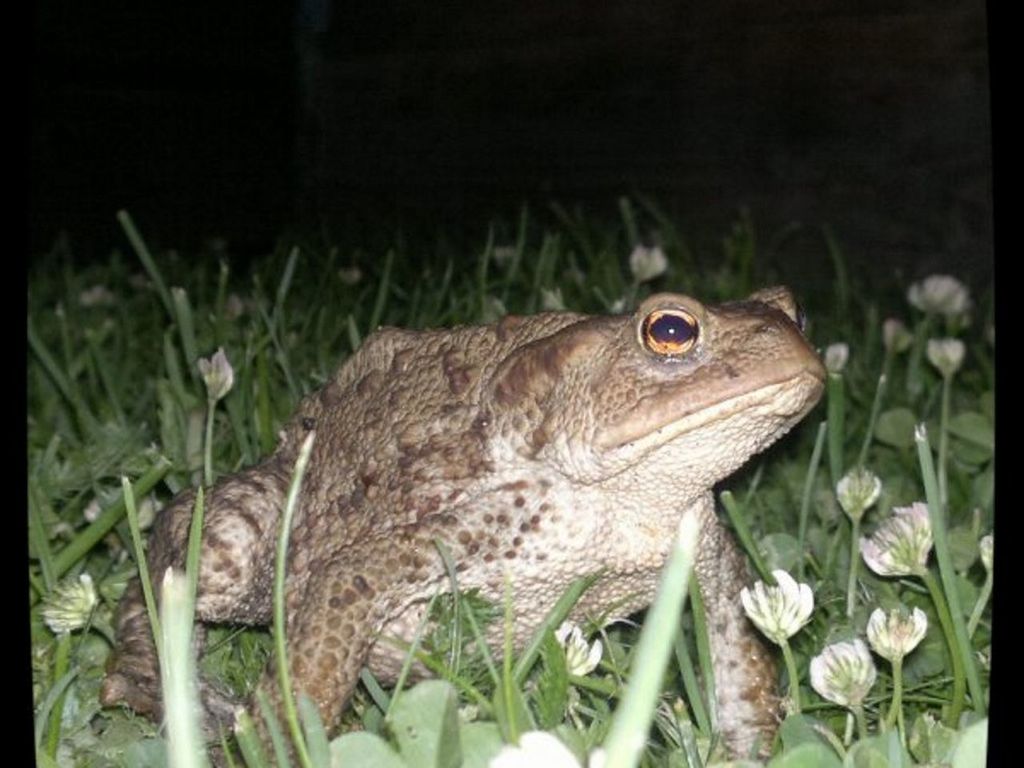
<point>836,415</point>
<point>862,723</point>
<point>211,404</point>
<point>876,406</point>
<point>896,708</point>
<point>979,607</point>
<point>962,652</point>
<point>805,499</point>
<point>851,584</point>
<point>947,388</point>
<point>794,680</point>
<point>946,621</point>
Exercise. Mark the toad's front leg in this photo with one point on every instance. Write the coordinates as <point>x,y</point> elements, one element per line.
<point>748,707</point>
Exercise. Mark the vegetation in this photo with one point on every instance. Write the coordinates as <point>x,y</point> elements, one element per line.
<point>115,390</point>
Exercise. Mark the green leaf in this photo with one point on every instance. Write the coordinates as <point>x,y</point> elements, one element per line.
<point>972,748</point>
<point>987,403</point>
<point>930,741</point>
<point>969,453</point>
<point>552,692</point>
<point>480,743</point>
<point>963,547</point>
<point>425,723</point>
<point>807,755</point>
<point>895,427</point>
<point>884,751</point>
<point>314,731</point>
<point>799,729</point>
<point>365,750</point>
<point>983,488</point>
<point>974,428</point>
<point>172,424</point>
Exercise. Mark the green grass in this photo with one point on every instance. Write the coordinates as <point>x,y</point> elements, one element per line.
<point>114,391</point>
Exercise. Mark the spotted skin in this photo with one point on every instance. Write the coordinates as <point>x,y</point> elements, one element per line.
<point>538,450</point>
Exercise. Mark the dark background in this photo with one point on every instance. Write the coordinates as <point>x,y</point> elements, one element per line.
<point>234,120</point>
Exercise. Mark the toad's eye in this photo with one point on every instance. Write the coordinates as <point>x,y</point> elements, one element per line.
<point>801,318</point>
<point>669,332</point>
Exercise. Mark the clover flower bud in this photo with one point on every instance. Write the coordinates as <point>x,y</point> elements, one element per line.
<point>894,634</point>
<point>946,354</point>
<point>895,336</point>
<point>580,659</point>
<point>940,295</point>
<point>70,604</point>
<point>836,356</point>
<point>350,275</point>
<point>901,544</point>
<point>96,296</point>
<point>551,299</point>
<point>857,490</point>
<point>535,748</point>
<point>843,673</point>
<point>781,611</point>
<point>647,263</point>
<point>985,549</point>
<point>218,375</point>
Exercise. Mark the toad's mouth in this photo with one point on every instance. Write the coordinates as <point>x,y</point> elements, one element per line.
<point>664,416</point>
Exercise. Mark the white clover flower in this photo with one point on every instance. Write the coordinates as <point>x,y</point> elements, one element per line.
<point>618,306</point>
<point>946,354</point>
<point>218,375</point>
<point>941,295</point>
<point>647,263</point>
<point>895,634</point>
<point>857,490</point>
<point>97,296</point>
<point>70,604</point>
<point>551,300</point>
<point>577,275</point>
<point>580,659</point>
<point>92,511</point>
<point>234,306</point>
<point>844,673</point>
<point>535,749</point>
<point>503,255</point>
<point>895,336</point>
<point>350,275</point>
<point>836,356</point>
<point>984,657</point>
<point>901,544</point>
<point>779,612</point>
<point>985,549</point>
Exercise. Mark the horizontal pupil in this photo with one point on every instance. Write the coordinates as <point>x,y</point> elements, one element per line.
<point>671,329</point>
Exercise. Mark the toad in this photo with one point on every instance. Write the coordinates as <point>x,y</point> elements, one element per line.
<point>541,448</point>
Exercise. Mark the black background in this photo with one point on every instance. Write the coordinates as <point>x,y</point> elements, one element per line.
<point>251,121</point>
